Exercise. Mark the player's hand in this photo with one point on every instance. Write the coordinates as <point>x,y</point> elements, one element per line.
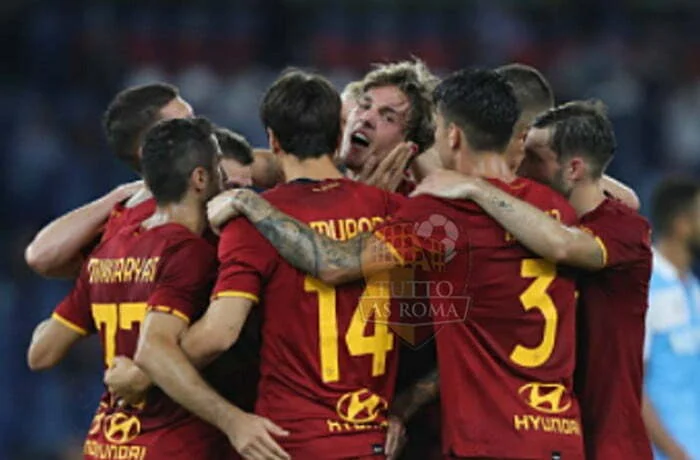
<point>447,184</point>
<point>388,172</point>
<point>252,436</point>
<point>127,190</point>
<point>127,381</point>
<point>395,438</point>
<point>221,209</point>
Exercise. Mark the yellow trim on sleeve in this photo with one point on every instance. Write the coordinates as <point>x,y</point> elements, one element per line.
<point>243,294</point>
<point>70,325</point>
<point>394,252</point>
<point>170,311</point>
<point>602,248</point>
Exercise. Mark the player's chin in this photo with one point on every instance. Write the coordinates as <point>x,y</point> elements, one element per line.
<point>356,157</point>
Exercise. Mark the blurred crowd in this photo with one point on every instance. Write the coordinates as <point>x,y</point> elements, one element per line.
<point>64,61</point>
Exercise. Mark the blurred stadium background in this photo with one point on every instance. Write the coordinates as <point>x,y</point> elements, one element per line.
<point>63,61</point>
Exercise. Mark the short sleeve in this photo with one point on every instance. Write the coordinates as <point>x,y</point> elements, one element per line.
<point>74,311</point>
<point>622,240</point>
<point>408,233</point>
<point>246,259</point>
<point>184,280</point>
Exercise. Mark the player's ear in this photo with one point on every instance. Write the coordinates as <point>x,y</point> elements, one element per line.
<point>200,178</point>
<point>576,168</point>
<point>274,142</point>
<point>454,136</point>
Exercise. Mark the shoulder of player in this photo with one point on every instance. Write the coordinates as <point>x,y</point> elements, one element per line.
<point>372,191</point>
<point>281,194</point>
<point>523,187</point>
<point>120,237</point>
<point>544,197</point>
<point>235,225</point>
<point>196,249</point>
<point>428,204</point>
<point>621,210</point>
<point>530,188</point>
<point>624,219</point>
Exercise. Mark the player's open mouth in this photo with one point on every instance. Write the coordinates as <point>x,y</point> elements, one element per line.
<point>359,139</point>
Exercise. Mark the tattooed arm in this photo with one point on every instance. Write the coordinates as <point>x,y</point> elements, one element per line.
<point>425,390</point>
<point>529,225</point>
<point>333,262</point>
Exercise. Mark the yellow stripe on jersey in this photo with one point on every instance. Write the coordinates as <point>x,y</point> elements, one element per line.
<point>604,249</point>
<point>70,325</point>
<point>169,310</point>
<point>243,294</point>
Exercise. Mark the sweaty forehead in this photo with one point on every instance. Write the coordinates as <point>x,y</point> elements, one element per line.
<point>388,96</point>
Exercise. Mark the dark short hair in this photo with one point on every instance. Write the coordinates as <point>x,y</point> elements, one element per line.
<point>414,79</point>
<point>234,146</point>
<point>531,89</point>
<point>671,198</point>
<point>173,149</point>
<point>581,128</point>
<point>303,111</point>
<point>131,114</point>
<point>481,103</point>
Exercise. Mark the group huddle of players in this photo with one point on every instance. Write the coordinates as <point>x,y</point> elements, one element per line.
<point>292,323</point>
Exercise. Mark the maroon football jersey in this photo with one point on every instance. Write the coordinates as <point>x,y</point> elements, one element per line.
<point>407,184</point>
<point>504,323</point>
<point>167,269</point>
<point>612,309</point>
<point>122,216</point>
<point>423,430</point>
<point>328,362</point>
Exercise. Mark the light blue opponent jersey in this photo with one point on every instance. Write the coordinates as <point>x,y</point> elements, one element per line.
<point>672,353</point>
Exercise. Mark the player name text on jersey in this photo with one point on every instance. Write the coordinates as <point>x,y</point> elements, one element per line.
<point>345,229</point>
<point>123,270</point>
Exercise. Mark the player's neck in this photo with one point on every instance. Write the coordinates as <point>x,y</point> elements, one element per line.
<point>489,165</point>
<point>586,196</point>
<point>313,168</point>
<point>677,253</point>
<point>188,213</point>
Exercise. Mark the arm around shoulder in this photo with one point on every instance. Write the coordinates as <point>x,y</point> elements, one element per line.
<point>56,250</point>
<point>51,341</point>
<point>620,191</point>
